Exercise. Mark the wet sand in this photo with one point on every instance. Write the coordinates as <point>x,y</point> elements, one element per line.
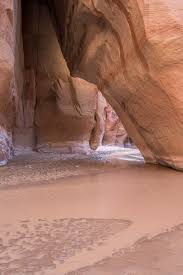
<point>125,220</point>
<point>35,168</point>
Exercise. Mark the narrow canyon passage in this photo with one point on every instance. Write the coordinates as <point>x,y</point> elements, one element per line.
<point>58,112</point>
<point>91,112</point>
<point>59,55</point>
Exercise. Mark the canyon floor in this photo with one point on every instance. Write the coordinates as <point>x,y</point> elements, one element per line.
<point>106,213</point>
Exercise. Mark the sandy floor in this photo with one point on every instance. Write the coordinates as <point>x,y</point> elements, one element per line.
<point>40,168</point>
<point>122,218</point>
<point>162,255</point>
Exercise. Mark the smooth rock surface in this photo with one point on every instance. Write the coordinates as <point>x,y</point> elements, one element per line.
<point>133,51</point>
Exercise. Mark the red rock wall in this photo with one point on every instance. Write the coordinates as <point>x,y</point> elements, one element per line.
<point>132,50</point>
<point>115,133</point>
<point>58,109</point>
<point>7,83</point>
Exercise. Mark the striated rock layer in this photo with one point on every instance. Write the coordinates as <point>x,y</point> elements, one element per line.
<point>130,50</point>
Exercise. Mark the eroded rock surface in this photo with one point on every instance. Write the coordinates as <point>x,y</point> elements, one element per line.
<point>58,109</point>
<point>133,51</point>
<point>6,79</point>
<point>115,133</point>
<point>60,112</point>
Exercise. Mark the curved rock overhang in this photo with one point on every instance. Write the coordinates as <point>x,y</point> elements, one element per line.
<point>132,50</point>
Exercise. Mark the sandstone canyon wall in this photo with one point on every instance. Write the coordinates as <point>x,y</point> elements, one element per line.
<point>130,50</point>
<point>53,110</point>
<point>115,133</point>
<point>7,80</point>
<point>58,109</point>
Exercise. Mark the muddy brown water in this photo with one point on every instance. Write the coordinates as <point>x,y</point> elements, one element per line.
<point>125,221</point>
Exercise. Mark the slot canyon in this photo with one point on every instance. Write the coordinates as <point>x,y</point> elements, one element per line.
<point>56,59</point>
<point>91,120</point>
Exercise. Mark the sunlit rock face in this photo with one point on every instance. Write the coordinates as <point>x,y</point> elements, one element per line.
<point>108,129</point>
<point>132,50</point>
<point>115,133</point>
